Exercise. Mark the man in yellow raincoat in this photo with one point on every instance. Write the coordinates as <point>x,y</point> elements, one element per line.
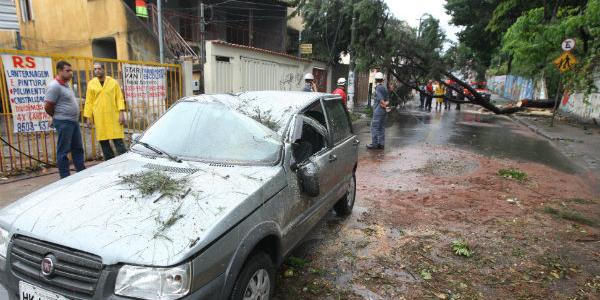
<point>105,108</point>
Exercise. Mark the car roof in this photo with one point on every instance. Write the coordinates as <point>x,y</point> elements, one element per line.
<point>267,107</point>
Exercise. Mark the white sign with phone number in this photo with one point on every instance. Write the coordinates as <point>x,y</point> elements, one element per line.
<point>26,81</point>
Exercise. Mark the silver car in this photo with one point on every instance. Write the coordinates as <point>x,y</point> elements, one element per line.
<point>250,175</point>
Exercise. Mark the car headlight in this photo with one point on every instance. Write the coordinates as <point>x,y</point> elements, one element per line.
<point>4,240</point>
<point>154,283</point>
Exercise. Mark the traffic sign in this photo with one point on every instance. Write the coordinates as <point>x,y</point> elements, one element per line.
<point>568,44</point>
<point>305,48</point>
<point>565,62</point>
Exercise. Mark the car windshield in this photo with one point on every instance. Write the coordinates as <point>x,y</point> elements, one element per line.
<point>212,132</point>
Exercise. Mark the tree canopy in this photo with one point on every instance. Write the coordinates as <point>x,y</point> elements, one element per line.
<point>497,37</point>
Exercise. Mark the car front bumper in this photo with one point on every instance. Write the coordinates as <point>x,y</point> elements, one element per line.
<point>105,286</point>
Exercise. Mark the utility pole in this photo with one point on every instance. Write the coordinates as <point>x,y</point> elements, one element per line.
<point>251,28</point>
<point>299,42</point>
<point>202,32</point>
<point>351,77</point>
<point>161,49</point>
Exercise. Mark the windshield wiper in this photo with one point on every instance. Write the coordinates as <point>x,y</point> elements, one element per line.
<point>158,151</point>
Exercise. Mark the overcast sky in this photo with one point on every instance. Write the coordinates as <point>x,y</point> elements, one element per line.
<point>410,11</point>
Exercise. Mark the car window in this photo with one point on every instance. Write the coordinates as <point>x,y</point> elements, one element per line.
<point>315,111</point>
<point>311,141</point>
<point>339,125</point>
<point>212,132</point>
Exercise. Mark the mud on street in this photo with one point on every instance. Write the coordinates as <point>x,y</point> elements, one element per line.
<point>437,189</point>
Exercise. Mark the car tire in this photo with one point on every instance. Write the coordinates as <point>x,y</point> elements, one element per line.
<point>257,278</point>
<point>344,206</point>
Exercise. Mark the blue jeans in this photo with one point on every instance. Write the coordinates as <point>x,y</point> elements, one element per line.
<point>377,129</point>
<point>69,140</point>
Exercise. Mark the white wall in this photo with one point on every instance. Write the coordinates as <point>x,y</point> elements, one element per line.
<point>582,107</point>
<point>250,69</point>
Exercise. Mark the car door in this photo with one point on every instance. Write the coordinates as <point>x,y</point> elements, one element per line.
<point>304,210</point>
<point>344,153</point>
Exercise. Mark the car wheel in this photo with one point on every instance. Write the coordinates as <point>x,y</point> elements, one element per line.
<point>344,206</point>
<point>256,281</point>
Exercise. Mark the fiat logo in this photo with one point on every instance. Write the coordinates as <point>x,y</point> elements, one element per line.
<point>48,265</point>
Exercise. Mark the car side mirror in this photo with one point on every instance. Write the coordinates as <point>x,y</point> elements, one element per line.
<point>308,175</point>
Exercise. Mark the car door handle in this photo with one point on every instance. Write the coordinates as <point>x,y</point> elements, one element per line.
<point>332,158</point>
<point>355,143</point>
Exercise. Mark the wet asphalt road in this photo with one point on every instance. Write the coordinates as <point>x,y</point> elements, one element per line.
<point>468,129</point>
<point>491,135</point>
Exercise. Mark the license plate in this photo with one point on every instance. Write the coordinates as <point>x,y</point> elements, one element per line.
<point>31,292</point>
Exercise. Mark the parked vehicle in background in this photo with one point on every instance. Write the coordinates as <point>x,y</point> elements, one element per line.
<point>241,180</point>
<point>481,88</point>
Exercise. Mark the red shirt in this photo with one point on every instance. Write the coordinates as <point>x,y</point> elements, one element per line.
<point>342,93</point>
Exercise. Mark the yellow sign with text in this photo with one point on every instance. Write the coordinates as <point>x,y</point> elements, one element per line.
<point>305,48</point>
<point>565,62</point>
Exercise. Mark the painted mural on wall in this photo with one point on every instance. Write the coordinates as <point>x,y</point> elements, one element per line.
<point>585,108</point>
<point>512,87</point>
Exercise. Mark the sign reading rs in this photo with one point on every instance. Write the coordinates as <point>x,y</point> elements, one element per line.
<point>25,62</point>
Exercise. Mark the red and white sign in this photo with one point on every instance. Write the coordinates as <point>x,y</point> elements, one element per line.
<point>144,82</point>
<point>26,80</point>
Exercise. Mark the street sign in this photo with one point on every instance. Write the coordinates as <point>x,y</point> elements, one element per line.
<point>565,62</point>
<point>568,45</point>
<point>305,48</point>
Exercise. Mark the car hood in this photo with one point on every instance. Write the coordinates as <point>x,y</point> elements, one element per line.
<point>93,211</point>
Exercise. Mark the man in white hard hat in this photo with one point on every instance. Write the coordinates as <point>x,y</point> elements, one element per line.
<point>380,107</point>
<point>341,90</point>
<point>309,83</point>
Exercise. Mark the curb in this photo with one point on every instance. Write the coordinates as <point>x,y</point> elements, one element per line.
<point>541,132</point>
<point>532,128</point>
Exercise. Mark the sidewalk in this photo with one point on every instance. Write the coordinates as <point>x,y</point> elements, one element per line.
<point>579,142</point>
<point>13,188</point>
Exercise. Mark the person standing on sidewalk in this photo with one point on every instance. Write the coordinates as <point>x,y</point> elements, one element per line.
<point>61,105</point>
<point>380,108</point>
<point>341,90</point>
<point>105,108</point>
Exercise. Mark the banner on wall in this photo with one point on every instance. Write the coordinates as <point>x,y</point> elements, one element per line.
<point>26,81</point>
<point>145,89</point>
<point>144,82</point>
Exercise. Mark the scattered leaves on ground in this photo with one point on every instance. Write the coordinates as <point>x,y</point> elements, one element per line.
<point>513,173</point>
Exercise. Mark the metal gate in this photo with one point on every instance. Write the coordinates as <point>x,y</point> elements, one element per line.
<point>28,151</point>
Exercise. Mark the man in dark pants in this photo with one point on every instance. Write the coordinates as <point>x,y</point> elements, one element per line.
<point>422,96</point>
<point>429,90</point>
<point>380,107</point>
<point>61,105</point>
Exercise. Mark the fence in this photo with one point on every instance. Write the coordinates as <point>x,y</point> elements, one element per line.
<point>28,140</point>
